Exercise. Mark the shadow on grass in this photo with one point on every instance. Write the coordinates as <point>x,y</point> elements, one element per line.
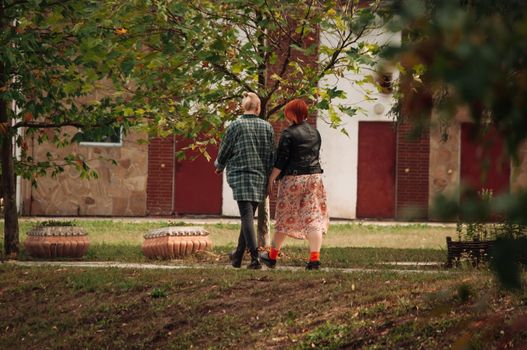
<point>346,257</point>
<point>349,257</point>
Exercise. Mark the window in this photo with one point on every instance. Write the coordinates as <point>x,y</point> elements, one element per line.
<point>109,136</point>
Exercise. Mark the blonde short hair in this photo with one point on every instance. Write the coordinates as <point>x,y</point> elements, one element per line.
<point>250,101</point>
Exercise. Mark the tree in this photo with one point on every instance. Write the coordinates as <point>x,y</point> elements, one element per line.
<point>472,55</point>
<point>43,68</point>
<point>51,55</point>
<point>169,68</point>
<point>193,60</point>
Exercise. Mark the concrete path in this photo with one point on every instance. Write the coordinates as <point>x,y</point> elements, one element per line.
<point>121,265</point>
<point>208,220</point>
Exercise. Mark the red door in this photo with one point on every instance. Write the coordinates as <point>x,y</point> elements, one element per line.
<point>484,161</point>
<point>197,187</point>
<point>376,170</point>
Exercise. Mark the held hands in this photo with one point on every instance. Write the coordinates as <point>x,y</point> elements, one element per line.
<point>270,187</point>
<point>216,165</point>
<point>272,179</point>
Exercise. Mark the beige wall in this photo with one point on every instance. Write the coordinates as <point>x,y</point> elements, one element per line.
<point>120,189</point>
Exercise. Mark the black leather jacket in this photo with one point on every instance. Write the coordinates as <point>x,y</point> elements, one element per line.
<point>298,150</point>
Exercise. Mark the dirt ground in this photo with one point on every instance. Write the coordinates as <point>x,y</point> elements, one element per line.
<point>69,308</point>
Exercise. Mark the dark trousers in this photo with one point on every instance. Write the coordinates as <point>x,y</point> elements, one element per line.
<point>247,238</point>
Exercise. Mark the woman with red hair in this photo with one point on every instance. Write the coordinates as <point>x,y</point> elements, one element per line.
<point>301,208</point>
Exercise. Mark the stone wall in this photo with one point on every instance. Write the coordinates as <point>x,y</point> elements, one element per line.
<point>519,171</point>
<point>444,161</point>
<point>120,189</point>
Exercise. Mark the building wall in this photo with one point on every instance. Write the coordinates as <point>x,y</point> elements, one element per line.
<point>339,153</point>
<point>445,155</point>
<point>160,182</point>
<point>445,160</point>
<point>412,174</point>
<point>120,189</point>
<point>519,170</point>
<point>229,206</point>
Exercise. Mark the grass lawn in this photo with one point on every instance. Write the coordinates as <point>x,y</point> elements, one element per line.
<point>345,245</point>
<point>418,236</point>
<point>72,308</point>
<point>222,308</point>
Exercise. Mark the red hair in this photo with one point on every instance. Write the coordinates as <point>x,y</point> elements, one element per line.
<point>296,111</point>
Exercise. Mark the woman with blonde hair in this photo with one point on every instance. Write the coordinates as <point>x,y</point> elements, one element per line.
<point>301,206</point>
<point>247,151</point>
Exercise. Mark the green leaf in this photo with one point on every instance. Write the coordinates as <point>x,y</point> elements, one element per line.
<point>323,104</point>
<point>237,68</point>
<point>71,87</point>
<point>128,65</point>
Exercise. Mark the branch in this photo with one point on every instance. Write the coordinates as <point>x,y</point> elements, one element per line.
<point>223,99</point>
<point>45,4</point>
<point>282,29</point>
<point>335,57</point>
<point>248,35</point>
<point>277,107</point>
<point>43,125</point>
<point>288,55</point>
<point>14,3</point>
<point>231,19</point>
<point>242,21</point>
<point>232,76</point>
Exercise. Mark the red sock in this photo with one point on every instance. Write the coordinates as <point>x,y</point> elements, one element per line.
<point>273,254</point>
<point>314,256</point>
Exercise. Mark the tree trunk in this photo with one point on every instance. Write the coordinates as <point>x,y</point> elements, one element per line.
<point>264,224</point>
<point>11,240</point>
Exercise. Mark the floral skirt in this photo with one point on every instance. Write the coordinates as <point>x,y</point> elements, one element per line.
<point>301,206</point>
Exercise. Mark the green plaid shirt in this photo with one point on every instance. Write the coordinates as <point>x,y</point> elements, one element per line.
<point>247,150</point>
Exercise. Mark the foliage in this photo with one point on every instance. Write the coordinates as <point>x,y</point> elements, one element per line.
<point>468,56</point>
<point>507,257</point>
<point>55,58</point>
<point>89,67</point>
<point>192,61</point>
<point>483,228</point>
<point>464,291</point>
<point>158,293</point>
<point>50,223</point>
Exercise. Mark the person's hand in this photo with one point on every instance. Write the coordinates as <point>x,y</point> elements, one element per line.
<point>270,186</point>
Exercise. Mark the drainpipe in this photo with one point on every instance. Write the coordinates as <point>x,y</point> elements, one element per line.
<point>17,154</point>
<point>16,149</point>
<point>173,201</point>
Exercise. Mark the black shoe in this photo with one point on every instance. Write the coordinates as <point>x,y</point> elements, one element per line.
<point>236,259</point>
<point>254,265</point>
<point>313,265</point>
<point>270,263</point>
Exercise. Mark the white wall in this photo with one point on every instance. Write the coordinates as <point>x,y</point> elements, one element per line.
<point>229,205</point>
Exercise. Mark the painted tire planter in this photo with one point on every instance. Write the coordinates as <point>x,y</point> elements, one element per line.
<point>476,250</point>
<point>57,242</point>
<point>175,242</point>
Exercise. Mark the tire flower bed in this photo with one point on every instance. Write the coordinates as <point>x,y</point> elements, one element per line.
<point>56,239</point>
<point>175,242</point>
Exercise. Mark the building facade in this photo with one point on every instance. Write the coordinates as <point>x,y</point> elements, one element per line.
<point>375,171</point>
